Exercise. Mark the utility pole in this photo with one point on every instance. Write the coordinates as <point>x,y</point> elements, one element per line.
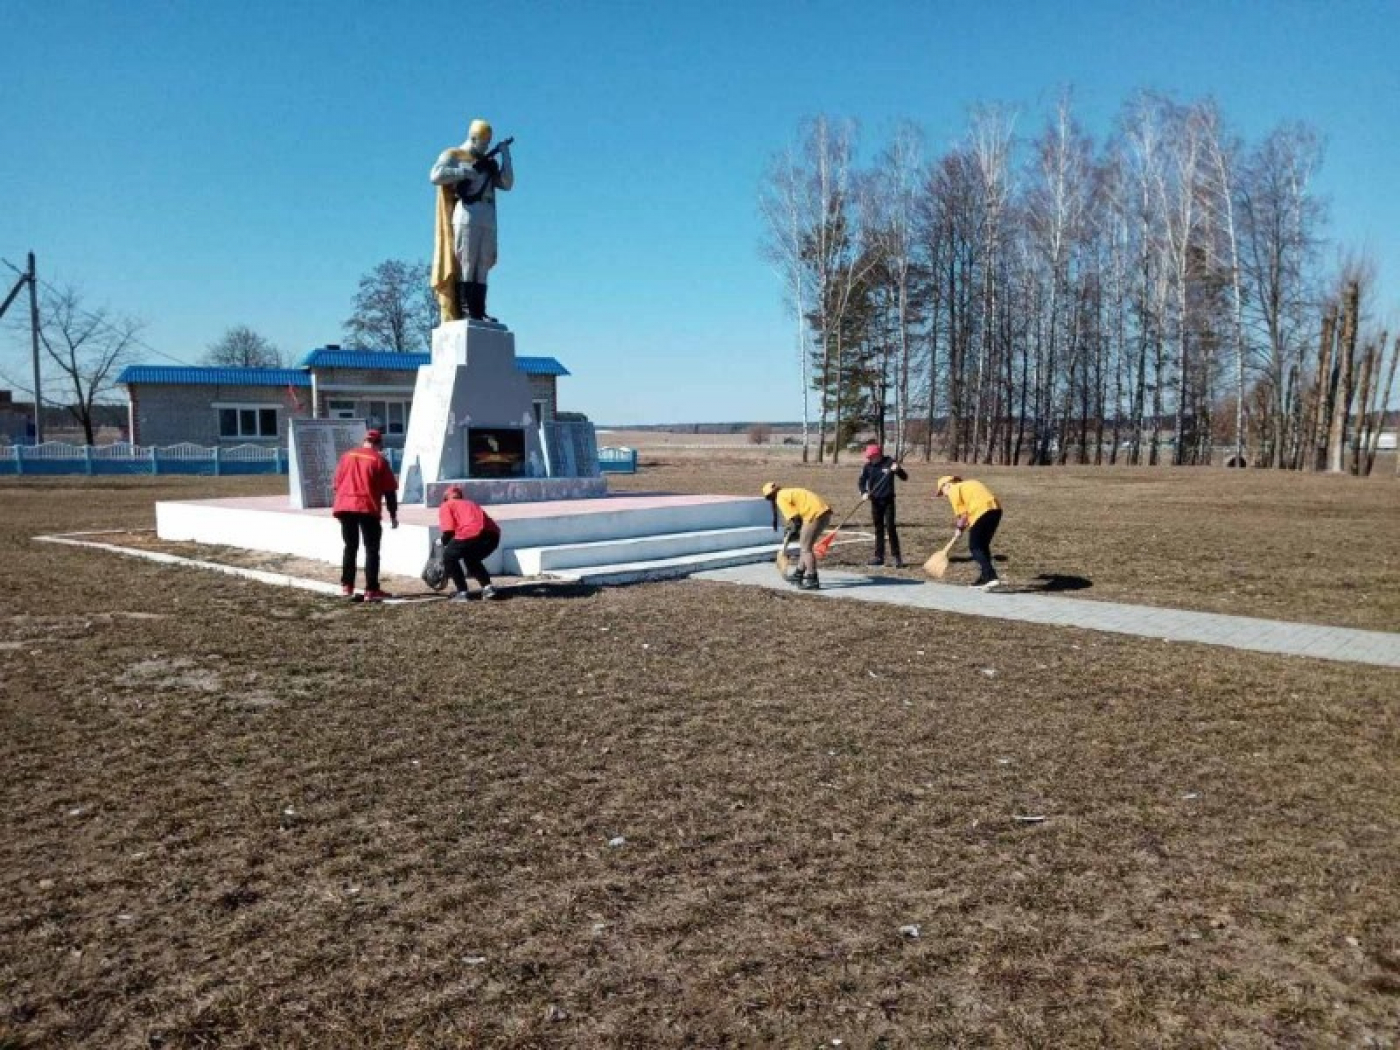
<point>34,343</point>
<point>27,277</point>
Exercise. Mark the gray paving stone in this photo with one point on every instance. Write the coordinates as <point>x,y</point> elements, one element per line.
<point>1176,625</point>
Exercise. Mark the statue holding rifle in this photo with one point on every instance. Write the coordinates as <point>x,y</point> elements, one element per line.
<point>467,177</point>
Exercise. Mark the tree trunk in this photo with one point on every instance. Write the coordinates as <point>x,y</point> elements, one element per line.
<point>1341,408</point>
<point>1319,414</point>
<point>1363,401</point>
<point>1382,401</point>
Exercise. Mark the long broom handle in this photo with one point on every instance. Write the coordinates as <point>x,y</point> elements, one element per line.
<point>824,544</point>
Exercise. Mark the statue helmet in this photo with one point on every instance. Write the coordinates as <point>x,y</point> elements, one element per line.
<point>479,128</point>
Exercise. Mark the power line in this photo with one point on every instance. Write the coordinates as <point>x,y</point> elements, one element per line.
<point>97,319</point>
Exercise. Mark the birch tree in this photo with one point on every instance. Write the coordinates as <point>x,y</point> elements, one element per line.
<point>789,215</point>
<point>894,227</point>
<point>1279,220</point>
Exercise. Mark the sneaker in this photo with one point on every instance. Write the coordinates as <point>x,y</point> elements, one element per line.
<point>875,561</point>
<point>977,585</point>
<point>376,595</point>
<point>810,583</point>
<point>459,596</point>
<point>795,577</point>
<point>991,584</point>
<point>489,593</point>
<point>347,590</point>
<point>899,563</point>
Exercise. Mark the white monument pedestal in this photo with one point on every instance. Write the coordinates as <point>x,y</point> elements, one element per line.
<point>471,382</point>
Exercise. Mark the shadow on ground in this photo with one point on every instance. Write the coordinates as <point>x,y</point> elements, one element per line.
<point>546,589</point>
<point>836,584</point>
<point>1054,583</point>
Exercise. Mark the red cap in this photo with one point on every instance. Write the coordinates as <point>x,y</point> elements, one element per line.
<point>872,451</point>
<point>374,435</point>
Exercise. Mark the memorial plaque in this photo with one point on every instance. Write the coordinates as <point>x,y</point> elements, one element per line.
<point>572,449</point>
<point>315,447</point>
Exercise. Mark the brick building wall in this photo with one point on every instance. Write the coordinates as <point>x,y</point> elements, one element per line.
<point>168,415</point>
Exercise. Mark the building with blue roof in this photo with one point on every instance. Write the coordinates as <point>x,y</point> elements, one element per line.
<point>169,404</point>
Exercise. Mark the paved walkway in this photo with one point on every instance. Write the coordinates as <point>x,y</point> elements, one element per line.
<point>1176,625</point>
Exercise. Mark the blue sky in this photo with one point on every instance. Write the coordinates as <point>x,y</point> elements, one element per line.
<point>207,164</point>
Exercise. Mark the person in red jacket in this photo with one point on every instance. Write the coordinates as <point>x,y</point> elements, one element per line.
<point>468,535</point>
<point>363,478</point>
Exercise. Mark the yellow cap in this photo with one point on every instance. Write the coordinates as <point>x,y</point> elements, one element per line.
<point>944,482</point>
<point>769,487</point>
<point>479,128</point>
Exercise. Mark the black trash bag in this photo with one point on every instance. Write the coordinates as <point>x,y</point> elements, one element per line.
<point>435,569</point>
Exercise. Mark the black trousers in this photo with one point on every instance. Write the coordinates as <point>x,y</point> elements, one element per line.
<point>352,527</point>
<point>474,552</point>
<point>882,511</point>
<point>979,544</point>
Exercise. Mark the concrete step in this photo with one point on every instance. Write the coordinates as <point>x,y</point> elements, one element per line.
<point>593,521</point>
<point>665,568</point>
<point>535,561</point>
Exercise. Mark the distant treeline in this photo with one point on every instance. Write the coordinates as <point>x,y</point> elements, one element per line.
<point>1044,297</point>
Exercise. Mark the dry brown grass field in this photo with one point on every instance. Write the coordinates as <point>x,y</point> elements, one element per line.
<point>689,814</point>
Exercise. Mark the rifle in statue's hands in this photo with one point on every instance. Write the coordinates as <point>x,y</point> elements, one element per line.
<point>498,147</point>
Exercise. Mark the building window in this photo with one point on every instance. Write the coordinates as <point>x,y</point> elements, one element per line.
<point>539,408</point>
<point>341,409</point>
<point>389,416</point>
<point>251,421</point>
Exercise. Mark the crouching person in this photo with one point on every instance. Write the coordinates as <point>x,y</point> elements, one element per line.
<point>468,536</point>
<point>807,515</point>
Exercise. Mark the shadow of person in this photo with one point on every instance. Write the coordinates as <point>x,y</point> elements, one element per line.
<point>1053,583</point>
<point>545,589</point>
<point>838,583</point>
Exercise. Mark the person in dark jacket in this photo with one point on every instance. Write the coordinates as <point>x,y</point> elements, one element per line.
<point>468,535</point>
<point>363,481</point>
<point>877,486</point>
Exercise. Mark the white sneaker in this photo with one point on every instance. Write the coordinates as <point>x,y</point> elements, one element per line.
<point>488,593</point>
<point>991,585</point>
<point>459,596</point>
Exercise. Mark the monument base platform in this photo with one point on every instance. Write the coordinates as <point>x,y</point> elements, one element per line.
<point>614,539</point>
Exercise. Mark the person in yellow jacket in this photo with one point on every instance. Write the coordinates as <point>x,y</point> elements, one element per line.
<point>807,516</point>
<point>978,513</point>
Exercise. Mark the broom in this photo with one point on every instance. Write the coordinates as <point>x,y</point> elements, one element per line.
<point>823,546</point>
<point>783,562</point>
<point>937,563</point>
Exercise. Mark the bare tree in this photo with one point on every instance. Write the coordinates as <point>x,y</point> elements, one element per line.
<point>1344,386</point>
<point>1222,154</point>
<point>1145,155</point>
<point>241,347</point>
<point>89,347</point>
<point>1279,221</point>
<point>993,131</point>
<point>788,213</point>
<point>394,309</point>
<point>1380,403</point>
<point>1056,213</point>
<point>894,226</point>
<point>836,260</point>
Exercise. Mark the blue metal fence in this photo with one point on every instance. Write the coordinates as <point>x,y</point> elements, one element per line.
<point>617,460</point>
<point>56,457</point>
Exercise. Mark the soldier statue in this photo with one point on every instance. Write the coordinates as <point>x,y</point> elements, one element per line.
<point>467,177</point>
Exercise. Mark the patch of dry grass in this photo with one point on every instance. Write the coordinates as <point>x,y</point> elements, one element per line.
<point>244,816</point>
